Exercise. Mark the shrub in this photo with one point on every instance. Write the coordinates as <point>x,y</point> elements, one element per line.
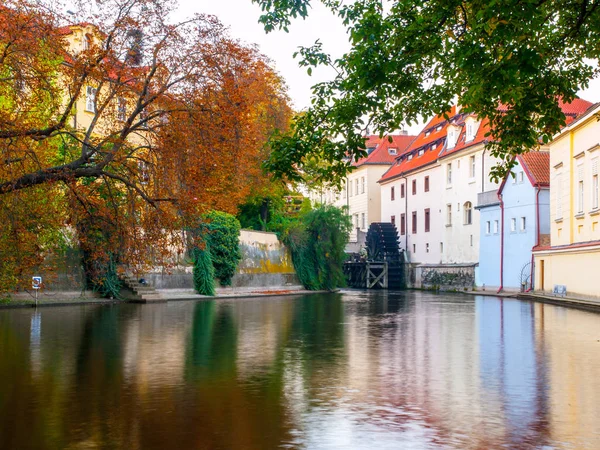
<point>317,246</point>
<point>203,272</point>
<point>221,232</point>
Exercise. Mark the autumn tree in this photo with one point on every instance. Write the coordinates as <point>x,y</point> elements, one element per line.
<point>411,58</point>
<point>123,128</point>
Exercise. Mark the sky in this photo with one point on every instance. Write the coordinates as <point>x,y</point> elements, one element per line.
<point>241,16</point>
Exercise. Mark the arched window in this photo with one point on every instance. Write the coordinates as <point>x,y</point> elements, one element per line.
<point>468,212</point>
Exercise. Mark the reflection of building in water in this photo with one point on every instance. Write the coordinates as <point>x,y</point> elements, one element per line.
<point>153,343</point>
<point>510,374</point>
<point>570,338</point>
<point>262,327</point>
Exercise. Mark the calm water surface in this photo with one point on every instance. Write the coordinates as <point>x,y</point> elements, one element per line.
<point>347,371</point>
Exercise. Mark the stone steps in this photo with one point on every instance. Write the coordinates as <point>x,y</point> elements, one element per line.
<point>140,293</point>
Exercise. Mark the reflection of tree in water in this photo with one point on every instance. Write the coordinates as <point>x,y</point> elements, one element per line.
<point>318,326</point>
<point>213,343</point>
<point>214,396</point>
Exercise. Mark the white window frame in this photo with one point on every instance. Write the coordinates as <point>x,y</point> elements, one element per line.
<point>523,224</point>
<point>496,226</point>
<point>449,214</point>
<point>595,186</point>
<point>90,99</point>
<point>513,225</point>
<point>449,174</point>
<point>362,185</point>
<point>472,166</point>
<point>488,227</point>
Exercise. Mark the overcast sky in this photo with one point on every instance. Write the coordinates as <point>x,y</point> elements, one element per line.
<point>241,16</point>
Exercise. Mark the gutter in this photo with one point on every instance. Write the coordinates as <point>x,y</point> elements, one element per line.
<point>501,288</point>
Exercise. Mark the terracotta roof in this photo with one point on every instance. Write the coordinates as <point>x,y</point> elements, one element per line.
<point>537,167</point>
<point>433,135</point>
<point>381,154</point>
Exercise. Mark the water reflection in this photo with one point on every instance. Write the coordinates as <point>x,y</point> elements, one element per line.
<point>358,370</point>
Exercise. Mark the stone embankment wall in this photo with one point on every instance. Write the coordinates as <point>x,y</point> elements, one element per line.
<point>265,262</point>
<point>446,277</point>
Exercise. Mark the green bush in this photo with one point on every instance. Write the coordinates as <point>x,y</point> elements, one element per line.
<point>203,272</point>
<point>317,246</point>
<point>222,231</point>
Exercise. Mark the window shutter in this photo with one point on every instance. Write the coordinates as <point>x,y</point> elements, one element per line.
<point>580,172</point>
<point>595,166</point>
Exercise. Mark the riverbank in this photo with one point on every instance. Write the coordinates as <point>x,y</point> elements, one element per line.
<point>573,302</point>
<point>26,300</point>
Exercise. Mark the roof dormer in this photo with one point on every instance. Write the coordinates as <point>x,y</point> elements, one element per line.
<point>452,136</point>
<point>471,127</point>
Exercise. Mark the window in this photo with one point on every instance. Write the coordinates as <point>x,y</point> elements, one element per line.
<point>595,192</point>
<point>87,42</point>
<point>90,99</point>
<point>472,166</point>
<point>433,146</point>
<point>471,240</point>
<point>143,118</point>
<point>580,188</point>
<point>426,189</point>
<point>559,192</point>
<point>427,247</point>
<point>468,213</point>
<point>414,187</point>
<point>449,214</point>
<point>523,223</point>
<point>421,152</point>
<point>427,220</point>
<point>350,188</point>
<point>470,131</point>
<point>393,193</point>
<point>121,109</point>
<point>362,185</point>
<point>452,135</point>
<point>363,221</point>
<point>402,191</point>
<point>356,187</point>
<point>495,227</point>
<point>513,225</point>
<point>441,247</point>
<point>488,227</point>
<point>414,222</point>
<point>392,151</point>
<point>449,174</point>
<point>356,220</point>
<point>521,176</point>
<point>402,224</point>
<point>414,248</point>
<point>393,220</point>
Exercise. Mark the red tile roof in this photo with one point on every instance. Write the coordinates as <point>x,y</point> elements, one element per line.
<point>537,167</point>
<point>381,154</point>
<point>434,134</point>
<point>436,131</point>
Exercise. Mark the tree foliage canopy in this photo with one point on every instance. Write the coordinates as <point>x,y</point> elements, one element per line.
<point>128,117</point>
<point>507,61</point>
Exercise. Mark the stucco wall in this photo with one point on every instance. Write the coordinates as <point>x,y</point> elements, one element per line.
<point>577,269</point>
<point>265,262</point>
<point>489,247</point>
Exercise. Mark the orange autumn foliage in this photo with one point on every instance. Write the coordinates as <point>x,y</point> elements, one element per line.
<point>116,136</point>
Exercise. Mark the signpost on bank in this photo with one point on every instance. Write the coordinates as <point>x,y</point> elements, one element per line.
<point>36,284</point>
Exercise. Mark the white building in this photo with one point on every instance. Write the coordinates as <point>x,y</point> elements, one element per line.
<point>362,193</point>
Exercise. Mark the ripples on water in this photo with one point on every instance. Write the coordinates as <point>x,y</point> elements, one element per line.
<point>359,370</point>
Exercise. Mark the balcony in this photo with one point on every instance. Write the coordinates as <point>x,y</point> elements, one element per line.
<point>489,198</point>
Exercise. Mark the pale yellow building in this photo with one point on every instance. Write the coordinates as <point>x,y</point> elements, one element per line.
<point>573,257</point>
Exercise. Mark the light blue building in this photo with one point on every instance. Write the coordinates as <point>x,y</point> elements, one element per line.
<point>514,219</point>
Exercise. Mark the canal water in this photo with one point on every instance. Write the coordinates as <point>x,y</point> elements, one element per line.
<point>357,370</point>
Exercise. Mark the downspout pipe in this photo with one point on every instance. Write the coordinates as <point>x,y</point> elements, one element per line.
<point>405,213</point>
<point>537,234</point>
<point>501,288</point>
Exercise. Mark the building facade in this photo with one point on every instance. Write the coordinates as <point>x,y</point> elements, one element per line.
<point>513,220</point>
<point>571,260</point>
